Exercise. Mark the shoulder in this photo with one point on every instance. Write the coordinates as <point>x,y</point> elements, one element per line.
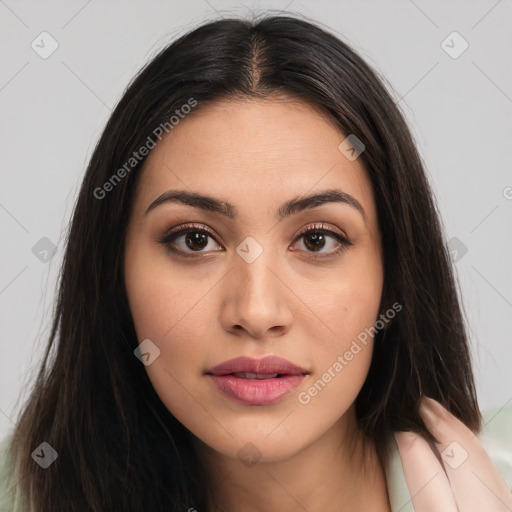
<point>7,497</point>
<point>496,437</point>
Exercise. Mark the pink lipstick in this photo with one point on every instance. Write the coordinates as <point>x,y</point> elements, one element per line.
<point>256,381</point>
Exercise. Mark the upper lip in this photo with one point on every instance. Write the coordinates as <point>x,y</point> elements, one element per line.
<point>268,364</point>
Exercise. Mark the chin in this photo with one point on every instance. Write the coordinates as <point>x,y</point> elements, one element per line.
<point>251,448</point>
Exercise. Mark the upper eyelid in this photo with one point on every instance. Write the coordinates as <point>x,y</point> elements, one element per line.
<point>321,226</point>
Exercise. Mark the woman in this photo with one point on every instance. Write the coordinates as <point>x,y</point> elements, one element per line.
<point>256,301</point>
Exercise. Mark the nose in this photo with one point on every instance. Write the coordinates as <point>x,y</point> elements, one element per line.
<point>256,300</point>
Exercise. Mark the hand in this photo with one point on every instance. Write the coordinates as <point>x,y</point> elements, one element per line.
<point>465,480</point>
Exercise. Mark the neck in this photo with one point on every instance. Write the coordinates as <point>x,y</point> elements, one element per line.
<point>338,472</point>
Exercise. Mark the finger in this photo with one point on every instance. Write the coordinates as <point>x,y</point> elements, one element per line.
<point>425,477</point>
<point>476,482</point>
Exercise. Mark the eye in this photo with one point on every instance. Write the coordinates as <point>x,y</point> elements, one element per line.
<point>315,238</point>
<point>195,237</point>
<point>195,241</point>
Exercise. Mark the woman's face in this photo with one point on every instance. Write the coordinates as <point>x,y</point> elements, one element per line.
<point>245,281</point>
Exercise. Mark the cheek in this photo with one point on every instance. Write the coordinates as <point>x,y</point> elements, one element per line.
<point>349,308</point>
<point>342,360</point>
<point>161,294</point>
<point>171,309</point>
<point>174,317</point>
<point>349,300</point>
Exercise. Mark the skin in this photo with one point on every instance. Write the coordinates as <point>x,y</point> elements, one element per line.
<point>457,474</point>
<point>199,312</point>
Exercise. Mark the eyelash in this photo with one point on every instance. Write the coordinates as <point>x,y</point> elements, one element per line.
<point>168,239</point>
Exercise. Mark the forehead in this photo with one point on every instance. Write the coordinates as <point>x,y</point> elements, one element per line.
<point>260,151</point>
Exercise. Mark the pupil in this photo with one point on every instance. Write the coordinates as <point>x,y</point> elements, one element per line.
<point>194,237</point>
<point>316,237</point>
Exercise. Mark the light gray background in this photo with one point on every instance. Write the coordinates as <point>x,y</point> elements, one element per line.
<point>53,111</point>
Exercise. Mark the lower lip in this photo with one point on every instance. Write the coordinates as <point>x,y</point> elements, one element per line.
<point>256,391</point>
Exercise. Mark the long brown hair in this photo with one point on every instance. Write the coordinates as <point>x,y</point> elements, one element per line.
<point>119,448</point>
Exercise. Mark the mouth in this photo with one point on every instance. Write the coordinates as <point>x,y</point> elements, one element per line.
<point>256,382</point>
<point>259,376</point>
<point>266,368</point>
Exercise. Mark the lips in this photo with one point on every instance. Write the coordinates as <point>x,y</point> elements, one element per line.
<point>256,381</point>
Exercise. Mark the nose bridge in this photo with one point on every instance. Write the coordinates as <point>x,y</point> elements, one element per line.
<point>252,269</point>
<point>256,299</point>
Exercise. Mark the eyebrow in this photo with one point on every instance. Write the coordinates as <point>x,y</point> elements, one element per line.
<point>298,204</point>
